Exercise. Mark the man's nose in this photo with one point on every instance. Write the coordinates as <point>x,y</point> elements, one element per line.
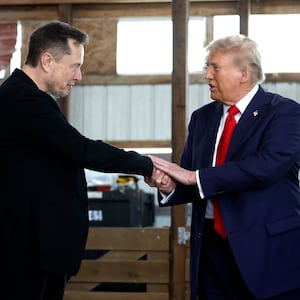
<point>78,75</point>
<point>208,73</point>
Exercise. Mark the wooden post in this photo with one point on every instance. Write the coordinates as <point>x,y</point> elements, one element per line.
<point>245,9</point>
<point>209,30</point>
<point>65,15</point>
<point>180,15</point>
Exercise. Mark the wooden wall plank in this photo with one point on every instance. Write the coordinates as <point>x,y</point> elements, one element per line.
<point>123,239</point>
<point>123,271</point>
<point>70,295</point>
<point>116,267</point>
<point>100,53</point>
<point>81,286</point>
<point>154,287</point>
<point>125,255</point>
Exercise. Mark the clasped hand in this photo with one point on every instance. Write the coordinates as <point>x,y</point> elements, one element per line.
<point>166,174</point>
<point>161,180</point>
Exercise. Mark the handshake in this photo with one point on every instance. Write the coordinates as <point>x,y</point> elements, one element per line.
<point>165,175</point>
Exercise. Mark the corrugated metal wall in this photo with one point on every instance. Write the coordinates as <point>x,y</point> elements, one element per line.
<point>140,112</point>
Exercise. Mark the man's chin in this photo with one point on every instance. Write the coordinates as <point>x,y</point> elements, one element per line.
<point>214,97</point>
<point>60,95</point>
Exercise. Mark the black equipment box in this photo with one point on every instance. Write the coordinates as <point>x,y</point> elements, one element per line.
<point>126,208</point>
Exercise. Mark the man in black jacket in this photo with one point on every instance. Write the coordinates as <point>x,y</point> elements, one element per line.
<point>44,215</point>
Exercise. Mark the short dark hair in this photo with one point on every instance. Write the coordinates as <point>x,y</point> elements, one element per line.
<point>53,37</point>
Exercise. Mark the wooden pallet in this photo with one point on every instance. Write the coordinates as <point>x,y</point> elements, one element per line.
<point>123,264</point>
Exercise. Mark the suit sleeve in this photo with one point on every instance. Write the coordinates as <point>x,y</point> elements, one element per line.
<point>269,153</point>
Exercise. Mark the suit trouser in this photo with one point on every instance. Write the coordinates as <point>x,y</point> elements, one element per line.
<point>220,278</point>
<point>52,286</point>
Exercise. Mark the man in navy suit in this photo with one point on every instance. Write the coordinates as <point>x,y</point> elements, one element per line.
<point>44,205</point>
<point>257,187</point>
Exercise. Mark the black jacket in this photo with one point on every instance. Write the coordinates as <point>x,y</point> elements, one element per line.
<point>44,219</point>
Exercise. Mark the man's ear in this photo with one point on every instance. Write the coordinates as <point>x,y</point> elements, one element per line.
<point>245,76</point>
<point>46,61</point>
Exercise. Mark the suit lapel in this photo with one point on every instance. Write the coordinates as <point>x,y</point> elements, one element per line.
<point>211,133</point>
<point>249,122</point>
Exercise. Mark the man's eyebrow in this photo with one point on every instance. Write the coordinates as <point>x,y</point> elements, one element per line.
<point>214,64</point>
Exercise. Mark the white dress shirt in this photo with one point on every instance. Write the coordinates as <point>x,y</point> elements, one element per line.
<point>241,105</point>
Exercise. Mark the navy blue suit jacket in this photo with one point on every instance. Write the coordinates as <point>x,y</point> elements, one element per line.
<point>257,187</point>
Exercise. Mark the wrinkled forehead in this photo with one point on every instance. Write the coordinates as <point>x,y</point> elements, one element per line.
<point>220,57</point>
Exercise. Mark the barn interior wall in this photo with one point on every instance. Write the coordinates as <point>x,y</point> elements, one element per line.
<point>141,112</point>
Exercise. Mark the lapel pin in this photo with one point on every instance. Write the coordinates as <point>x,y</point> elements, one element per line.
<point>255,113</point>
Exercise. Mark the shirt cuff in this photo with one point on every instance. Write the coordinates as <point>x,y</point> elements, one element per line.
<point>165,197</point>
<point>199,184</point>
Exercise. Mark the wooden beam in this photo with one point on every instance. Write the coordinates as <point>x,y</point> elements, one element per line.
<point>167,79</point>
<point>209,30</point>
<point>180,82</point>
<point>65,15</point>
<point>266,5</point>
<point>282,77</point>
<point>141,144</point>
<point>30,2</point>
<point>91,79</point>
<point>48,9</point>
<point>28,12</point>
<point>207,8</point>
<point>213,8</point>
<point>65,12</point>
<point>275,7</point>
<point>245,10</point>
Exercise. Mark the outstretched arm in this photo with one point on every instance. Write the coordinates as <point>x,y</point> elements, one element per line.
<point>173,170</point>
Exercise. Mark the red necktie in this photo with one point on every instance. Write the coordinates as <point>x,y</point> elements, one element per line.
<point>220,158</point>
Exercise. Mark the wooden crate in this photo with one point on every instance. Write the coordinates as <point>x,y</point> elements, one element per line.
<point>134,258</point>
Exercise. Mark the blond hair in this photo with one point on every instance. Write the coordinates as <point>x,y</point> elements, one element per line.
<point>246,53</point>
